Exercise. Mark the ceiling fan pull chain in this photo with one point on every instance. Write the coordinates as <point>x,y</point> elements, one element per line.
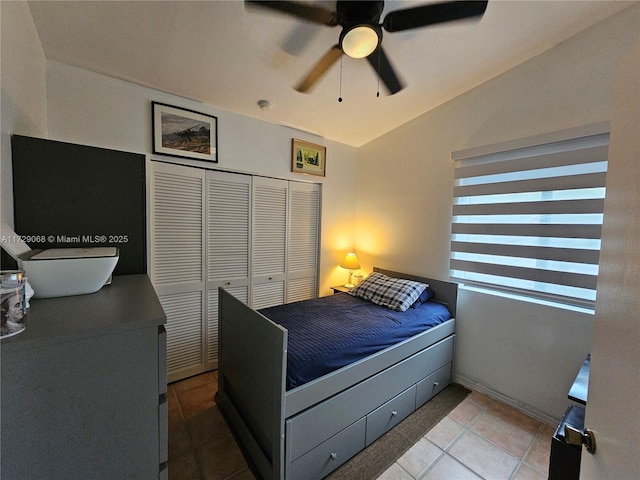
<point>340,97</point>
<point>378,92</point>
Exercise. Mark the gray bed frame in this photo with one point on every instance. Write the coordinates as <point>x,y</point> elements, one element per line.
<point>309,431</point>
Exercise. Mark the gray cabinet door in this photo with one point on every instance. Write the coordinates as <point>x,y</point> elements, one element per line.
<point>83,409</point>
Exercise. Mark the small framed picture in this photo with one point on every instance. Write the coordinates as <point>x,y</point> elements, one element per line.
<point>184,133</point>
<point>308,158</point>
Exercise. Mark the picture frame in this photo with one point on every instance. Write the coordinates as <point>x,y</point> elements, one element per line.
<point>307,157</point>
<point>179,132</point>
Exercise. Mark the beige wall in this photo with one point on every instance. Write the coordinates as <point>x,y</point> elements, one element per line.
<point>22,78</point>
<point>523,352</point>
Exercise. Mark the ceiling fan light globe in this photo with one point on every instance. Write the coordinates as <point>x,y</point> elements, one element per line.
<point>360,41</point>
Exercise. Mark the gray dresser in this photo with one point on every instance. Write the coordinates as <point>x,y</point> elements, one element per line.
<point>84,387</point>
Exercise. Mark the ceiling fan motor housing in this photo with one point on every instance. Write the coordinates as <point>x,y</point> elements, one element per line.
<point>350,12</point>
<point>361,31</point>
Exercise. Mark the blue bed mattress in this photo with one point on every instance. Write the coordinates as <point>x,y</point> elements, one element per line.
<point>327,333</point>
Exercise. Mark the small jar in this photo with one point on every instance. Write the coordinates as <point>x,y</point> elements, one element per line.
<point>13,302</point>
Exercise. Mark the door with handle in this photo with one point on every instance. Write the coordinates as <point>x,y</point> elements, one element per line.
<point>613,406</point>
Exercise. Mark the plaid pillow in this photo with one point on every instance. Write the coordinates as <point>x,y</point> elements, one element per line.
<point>395,293</point>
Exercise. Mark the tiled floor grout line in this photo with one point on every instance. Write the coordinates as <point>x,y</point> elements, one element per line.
<point>524,455</point>
<point>467,429</point>
<point>428,469</point>
<point>194,450</point>
<point>445,451</point>
<point>521,460</point>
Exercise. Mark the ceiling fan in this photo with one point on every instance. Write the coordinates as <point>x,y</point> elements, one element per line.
<point>361,35</point>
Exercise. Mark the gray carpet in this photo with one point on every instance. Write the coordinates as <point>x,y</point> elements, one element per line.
<point>381,454</point>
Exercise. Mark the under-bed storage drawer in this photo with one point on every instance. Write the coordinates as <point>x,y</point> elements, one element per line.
<point>390,414</point>
<point>329,417</point>
<point>433,384</point>
<point>330,454</point>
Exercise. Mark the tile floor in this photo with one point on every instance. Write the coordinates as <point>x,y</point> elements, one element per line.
<point>480,439</point>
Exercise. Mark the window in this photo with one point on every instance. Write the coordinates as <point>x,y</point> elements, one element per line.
<point>527,220</point>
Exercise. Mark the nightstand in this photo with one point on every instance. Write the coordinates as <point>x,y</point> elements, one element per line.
<point>341,288</point>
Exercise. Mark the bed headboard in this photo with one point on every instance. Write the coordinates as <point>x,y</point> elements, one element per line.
<point>445,292</point>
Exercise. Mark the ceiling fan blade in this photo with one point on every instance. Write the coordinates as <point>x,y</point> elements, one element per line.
<point>305,11</point>
<point>320,68</point>
<point>381,64</point>
<point>425,15</point>
<point>299,39</point>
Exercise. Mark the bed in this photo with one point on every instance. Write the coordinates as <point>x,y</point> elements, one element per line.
<point>306,427</point>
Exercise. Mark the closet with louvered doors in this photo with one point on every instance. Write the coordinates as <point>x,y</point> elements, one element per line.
<point>257,237</point>
<point>269,252</point>
<point>303,240</point>
<point>228,241</point>
<point>286,235</point>
<point>177,233</point>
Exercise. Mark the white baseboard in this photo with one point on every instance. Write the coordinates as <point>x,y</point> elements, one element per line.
<point>523,407</point>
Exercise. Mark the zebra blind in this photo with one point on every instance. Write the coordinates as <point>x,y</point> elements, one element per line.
<point>528,220</point>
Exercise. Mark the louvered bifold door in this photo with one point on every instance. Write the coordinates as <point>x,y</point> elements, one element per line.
<point>302,245</point>
<point>269,215</point>
<point>177,263</point>
<point>228,237</point>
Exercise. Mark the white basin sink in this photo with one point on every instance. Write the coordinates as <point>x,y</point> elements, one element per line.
<point>60,272</point>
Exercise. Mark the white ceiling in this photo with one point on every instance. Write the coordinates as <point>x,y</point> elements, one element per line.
<point>221,54</point>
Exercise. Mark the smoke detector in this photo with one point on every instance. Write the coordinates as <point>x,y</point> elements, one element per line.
<point>264,105</point>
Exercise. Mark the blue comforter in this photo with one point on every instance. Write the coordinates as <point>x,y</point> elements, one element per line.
<point>327,333</point>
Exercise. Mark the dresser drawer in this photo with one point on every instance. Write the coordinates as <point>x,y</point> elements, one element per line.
<point>433,384</point>
<point>390,414</point>
<point>330,454</point>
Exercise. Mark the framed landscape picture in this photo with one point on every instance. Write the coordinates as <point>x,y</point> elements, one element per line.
<point>308,158</point>
<point>184,133</point>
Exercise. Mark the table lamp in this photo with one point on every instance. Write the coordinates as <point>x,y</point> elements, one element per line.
<point>351,263</point>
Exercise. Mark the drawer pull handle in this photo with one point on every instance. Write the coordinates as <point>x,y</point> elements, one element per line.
<point>228,283</point>
<point>394,413</point>
<point>333,455</point>
<point>435,384</point>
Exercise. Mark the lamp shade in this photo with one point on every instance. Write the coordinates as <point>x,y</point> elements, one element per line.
<point>350,262</point>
